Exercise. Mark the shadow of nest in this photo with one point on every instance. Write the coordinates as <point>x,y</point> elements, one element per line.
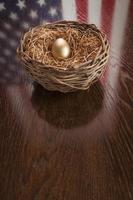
<point>68,110</point>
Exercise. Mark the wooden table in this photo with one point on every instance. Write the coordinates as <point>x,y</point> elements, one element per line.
<point>76,146</point>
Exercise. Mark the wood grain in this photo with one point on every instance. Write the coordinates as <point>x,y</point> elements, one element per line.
<point>76,146</point>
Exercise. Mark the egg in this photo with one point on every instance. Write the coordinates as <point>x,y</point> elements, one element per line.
<point>61,49</point>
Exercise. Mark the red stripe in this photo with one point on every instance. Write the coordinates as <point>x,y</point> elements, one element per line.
<point>107,16</point>
<point>127,49</point>
<point>82,10</point>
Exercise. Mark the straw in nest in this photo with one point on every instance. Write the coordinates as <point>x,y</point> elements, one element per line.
<point>89,54</point>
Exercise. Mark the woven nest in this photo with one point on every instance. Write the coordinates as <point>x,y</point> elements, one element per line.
<point>89,54</point>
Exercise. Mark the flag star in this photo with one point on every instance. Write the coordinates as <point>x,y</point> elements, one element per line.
<point>25,25</point>
<point>7,26</point>
<point>33,14</point>
<point>21,4</point>
<point>53,11</point>
<point>2,35</point>
<point>7,52</point>
<point>41,2</point>
<point>13,43</point>
<point>2,6</point>
<point>13,16</point>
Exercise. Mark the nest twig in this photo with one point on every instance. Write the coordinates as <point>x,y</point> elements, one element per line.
<point>89,53</point>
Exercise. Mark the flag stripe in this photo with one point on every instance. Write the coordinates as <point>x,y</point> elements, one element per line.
<point>107,15</point>
<point>94,12</point>
<point>106,26</point>
<point>82,10</point>
<point>119,23</point>
<point>126,51</point>
<point>118,28</point>
<point>69,10</point>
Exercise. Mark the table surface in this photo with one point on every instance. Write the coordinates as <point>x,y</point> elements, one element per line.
<point>76,146</point>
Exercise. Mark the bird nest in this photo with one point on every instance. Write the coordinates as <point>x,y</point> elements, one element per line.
<point>86,63</point>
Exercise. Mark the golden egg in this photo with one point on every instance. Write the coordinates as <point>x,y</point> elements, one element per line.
<point>61,49</point>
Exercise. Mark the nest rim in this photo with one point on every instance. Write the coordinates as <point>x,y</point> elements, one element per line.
<point>72,69</point>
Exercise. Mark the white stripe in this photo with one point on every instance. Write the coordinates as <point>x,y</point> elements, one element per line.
<point>69,10</point>
<point>94,12</point>
<point>119,24</point>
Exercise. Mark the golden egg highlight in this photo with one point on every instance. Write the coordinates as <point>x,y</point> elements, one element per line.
<point>61,49</point>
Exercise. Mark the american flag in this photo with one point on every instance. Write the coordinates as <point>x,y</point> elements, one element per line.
<point>16,16</point>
